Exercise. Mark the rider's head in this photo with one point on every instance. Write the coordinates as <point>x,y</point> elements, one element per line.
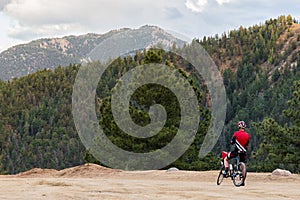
<point>242,125</point>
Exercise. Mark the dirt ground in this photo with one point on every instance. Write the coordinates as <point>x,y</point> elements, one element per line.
<point>95,182</point>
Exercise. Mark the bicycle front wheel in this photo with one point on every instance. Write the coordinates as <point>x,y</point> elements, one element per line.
<point>239,174</point>
<point>220,176</point>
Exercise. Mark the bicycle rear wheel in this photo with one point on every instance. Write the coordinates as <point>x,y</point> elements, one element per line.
<point>220,176</point>
<point>239,174</point>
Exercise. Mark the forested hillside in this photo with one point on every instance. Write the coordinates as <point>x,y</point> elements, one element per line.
<point>260,66</point>
<point>37,128</point>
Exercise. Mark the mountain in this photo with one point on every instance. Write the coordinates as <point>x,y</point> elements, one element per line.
<point>24,59</point>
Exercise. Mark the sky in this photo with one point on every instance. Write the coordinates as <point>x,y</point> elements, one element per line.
<point>22,21</point>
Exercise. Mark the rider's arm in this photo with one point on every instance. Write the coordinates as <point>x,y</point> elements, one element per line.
<point>233,140</point>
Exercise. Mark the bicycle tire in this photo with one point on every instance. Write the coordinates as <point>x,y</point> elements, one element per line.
<point>220,176</point>
<point>238,177</point>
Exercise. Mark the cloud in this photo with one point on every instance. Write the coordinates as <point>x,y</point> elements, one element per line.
<point>199,5</point>
<point>196,5</point>
<point>221,2</point>
<point>3,3</point>
<point>29,12</point>
<point>173,13</point>
<point>44,17</point>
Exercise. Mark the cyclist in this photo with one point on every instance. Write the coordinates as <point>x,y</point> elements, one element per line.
<point>241,140</point>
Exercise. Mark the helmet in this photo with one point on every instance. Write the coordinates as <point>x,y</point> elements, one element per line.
<point>242,124</point>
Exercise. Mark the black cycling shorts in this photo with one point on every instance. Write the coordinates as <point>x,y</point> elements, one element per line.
<point>235,153</point>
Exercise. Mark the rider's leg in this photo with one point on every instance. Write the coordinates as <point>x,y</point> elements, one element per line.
<point>243,157</point>
<point>244,174</point>
<point>226,164</point>
<point>230,155</point>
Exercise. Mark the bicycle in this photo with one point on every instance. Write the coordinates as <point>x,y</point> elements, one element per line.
<point>237,171</point>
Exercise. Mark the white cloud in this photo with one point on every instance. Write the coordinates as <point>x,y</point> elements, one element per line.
<point>221,2</point>
<point>3,4</point>
<point>196,5</point>
<point>200,5</point>
<point>44,17</point>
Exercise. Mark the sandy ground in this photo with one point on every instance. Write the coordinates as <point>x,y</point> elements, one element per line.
<point>95,182</point>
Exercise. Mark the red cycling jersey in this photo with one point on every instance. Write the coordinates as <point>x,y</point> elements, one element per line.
<point>242,137</point>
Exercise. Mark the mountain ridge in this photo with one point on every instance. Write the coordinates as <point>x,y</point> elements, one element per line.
<point>27,58</point>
